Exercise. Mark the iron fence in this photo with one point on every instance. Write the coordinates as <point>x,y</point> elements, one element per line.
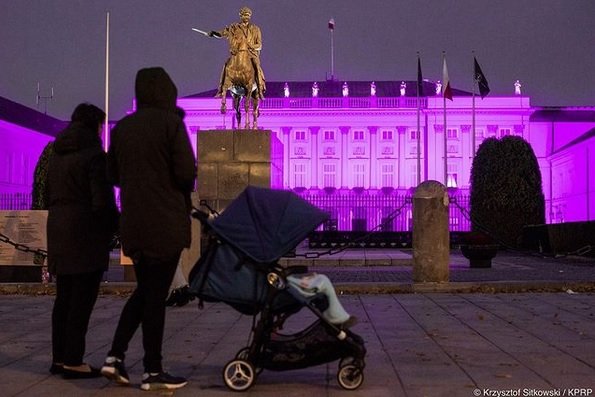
<point>360,210</point>
<point>356,210</point>
<point>15,201</point>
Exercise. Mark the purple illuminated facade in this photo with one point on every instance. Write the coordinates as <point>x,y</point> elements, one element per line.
<point>352,147</point>
<point>356,154</point>
<point>24,132</point>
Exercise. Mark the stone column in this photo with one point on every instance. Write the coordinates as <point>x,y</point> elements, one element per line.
<point>344,156</point>
<point>466,155</point>
<point>373,157</point>
<point>430,233</point>
<point>314,157</point>
<point>402,170</point>
<point>286,133</point>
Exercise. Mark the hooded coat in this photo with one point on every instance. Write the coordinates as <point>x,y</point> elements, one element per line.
<point>151,159</point>
<point>82,213</point>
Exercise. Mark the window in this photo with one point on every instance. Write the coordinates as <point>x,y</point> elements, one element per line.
<point>299,175</point>
<point>452,175</point>
<point>358,135</point>
<point>329,175</point>
<point>479,133</point>
<point>387,135</point>
<point>300,135</point>
<point>359,174</point>
<point>505,131</point>
<point>329,135</point>
<point>413,135</point>
<point>452,133</point>
<point>387,174</point>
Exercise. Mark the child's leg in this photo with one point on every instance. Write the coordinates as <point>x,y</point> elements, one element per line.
<point>310,284</point>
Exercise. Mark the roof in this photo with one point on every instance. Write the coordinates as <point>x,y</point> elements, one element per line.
<point>333,88</point>
<point>586,136</point>
<point>23,116</point>
<point>563,114</point>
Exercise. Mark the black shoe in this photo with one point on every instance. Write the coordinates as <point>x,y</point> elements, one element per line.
<point>350,322</point>
<point>76,374</point>
<point>114,369</point>
<point>179,297</point>
<point>162,380</point>
<point>56,369</point>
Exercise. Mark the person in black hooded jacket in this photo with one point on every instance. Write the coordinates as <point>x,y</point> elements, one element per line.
<point>82,218</point>
<point>151,159</point>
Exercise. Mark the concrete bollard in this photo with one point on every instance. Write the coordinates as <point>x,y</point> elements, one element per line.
<point>431,246</point>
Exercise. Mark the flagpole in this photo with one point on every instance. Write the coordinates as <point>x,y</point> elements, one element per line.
<point>418,123</point>
<point>106,125</point>
<point>473,109</point>
<point>332,49</point>
<point>445,129</point>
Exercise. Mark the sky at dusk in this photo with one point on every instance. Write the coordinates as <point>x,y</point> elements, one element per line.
<point>549,45</point>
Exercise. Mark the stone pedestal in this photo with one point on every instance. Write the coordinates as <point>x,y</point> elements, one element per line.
<point>431,248</point>
<point>230,160</point>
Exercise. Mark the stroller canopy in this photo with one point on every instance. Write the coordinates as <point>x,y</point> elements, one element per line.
<point>265,224</point>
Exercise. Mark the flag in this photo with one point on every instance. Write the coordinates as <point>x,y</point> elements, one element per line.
<point>482,82</point>
<point>331,24</point>
<point>446,90</point>
<point>420,81</point>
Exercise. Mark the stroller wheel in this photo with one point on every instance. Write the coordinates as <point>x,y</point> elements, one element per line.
<point>243,355</point>
<point>238,375</point>
<point>350,377</point>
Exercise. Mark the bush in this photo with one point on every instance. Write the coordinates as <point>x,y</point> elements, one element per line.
<point>506,190</point>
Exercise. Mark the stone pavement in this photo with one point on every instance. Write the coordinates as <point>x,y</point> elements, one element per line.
<point>422,339</point>
<point>424,344</point>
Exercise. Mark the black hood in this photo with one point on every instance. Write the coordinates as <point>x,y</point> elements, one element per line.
<point>154,88</point>
<point>74,138</point>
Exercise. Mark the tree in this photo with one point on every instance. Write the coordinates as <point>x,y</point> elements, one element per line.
<point>506,189</point>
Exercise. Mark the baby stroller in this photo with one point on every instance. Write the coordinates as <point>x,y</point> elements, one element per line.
<point>240,268</point>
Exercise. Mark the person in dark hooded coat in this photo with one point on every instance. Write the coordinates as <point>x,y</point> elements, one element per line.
<point>82,218</point>
<point>151,159</point>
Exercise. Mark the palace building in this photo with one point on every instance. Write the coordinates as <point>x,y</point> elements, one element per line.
<point>358,148</point>
<point>355,149</point>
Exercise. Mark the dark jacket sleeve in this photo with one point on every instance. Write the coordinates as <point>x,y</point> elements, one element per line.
<point>103,203</point>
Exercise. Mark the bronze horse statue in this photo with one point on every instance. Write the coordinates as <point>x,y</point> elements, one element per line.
<point>240,78</point>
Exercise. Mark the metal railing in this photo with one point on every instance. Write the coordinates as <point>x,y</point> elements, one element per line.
<point>377,210</point>
<point>349,209</point>
<point>15,201</point>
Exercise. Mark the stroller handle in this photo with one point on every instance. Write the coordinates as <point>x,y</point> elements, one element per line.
<point>202,216</point>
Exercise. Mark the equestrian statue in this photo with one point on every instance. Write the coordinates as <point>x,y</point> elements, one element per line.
<point>242,74</point>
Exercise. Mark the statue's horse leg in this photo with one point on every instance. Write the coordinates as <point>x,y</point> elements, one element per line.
<point>236,105</point>
<point>255,110</point>
<point>247,111</point>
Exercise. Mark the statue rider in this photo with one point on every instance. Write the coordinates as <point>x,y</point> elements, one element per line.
<point>243,36</point>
